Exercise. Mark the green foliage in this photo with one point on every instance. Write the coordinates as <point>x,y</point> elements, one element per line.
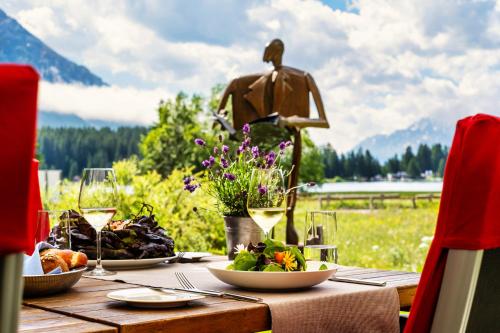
<point>169,144</point>
<point>72,149</point>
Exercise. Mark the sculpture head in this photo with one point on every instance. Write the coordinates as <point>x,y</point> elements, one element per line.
<point>274,52</point>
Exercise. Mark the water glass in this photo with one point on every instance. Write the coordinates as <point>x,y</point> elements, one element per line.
<point>59,222</point>
<point>320,236</point>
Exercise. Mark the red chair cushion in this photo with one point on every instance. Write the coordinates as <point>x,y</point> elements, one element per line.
<point>18,100</point>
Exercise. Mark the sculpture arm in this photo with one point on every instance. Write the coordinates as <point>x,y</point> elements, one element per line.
<point>225,96</point>
<point>301,122</point>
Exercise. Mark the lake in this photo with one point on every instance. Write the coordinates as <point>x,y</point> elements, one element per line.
<point>383,186</point>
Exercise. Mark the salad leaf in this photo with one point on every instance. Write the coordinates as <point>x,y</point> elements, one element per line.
<point>299,257</point>
<point>230,267</point>
<point>273,268</point>
<point>323,267</point>
<point>273,246</point>
<point>244,261</point>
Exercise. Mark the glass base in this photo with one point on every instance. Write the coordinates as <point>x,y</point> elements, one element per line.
<point>99,272</point>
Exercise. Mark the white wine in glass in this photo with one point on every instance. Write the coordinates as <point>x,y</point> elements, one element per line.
<point>97,202</point>
<point>266,198</point>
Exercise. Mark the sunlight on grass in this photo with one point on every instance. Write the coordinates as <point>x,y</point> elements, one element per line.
<point>395,237</point>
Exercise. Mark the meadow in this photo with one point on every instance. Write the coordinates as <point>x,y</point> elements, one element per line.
<point>391,236</point>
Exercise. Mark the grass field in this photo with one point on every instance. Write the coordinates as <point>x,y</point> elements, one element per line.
<point>393,236</point>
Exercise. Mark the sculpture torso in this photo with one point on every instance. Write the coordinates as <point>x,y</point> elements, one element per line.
<point>256,96</point>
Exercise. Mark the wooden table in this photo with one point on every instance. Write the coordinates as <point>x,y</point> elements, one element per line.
<point>86,305</point>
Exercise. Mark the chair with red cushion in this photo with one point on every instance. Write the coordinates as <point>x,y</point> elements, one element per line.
<point>19,197</point>
<point>459,290</point>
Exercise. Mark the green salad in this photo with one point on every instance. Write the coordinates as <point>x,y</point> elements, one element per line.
<point>270,256</point>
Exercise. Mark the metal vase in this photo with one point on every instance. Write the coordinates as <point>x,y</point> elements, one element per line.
<point>240,230</point>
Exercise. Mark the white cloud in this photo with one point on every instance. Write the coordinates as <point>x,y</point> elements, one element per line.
<point>379,68</point>
<point>109,103</point>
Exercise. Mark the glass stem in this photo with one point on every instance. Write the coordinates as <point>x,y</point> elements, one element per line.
<point>98,254</point>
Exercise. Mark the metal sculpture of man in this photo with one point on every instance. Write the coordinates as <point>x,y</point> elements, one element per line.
<point>283,96</point>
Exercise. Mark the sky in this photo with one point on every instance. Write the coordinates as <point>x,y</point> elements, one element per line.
<point>380,65</point>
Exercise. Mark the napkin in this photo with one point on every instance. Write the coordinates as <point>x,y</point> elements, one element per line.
<point>32,264</point>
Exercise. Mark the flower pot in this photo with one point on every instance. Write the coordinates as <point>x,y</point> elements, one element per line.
<point>240,230</point>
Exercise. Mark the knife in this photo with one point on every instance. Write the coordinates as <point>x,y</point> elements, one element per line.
<point>210,293</point>
<point>358,281</point>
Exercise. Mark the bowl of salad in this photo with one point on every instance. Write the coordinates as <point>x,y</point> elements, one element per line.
<point>271,265</point>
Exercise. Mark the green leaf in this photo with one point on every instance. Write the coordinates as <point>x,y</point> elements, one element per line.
<point>273,268</point>
<point>244,261</point>
<point>299,257</point>
<point>230,267</point>
<point>323,267</point>
<point>273,246</point>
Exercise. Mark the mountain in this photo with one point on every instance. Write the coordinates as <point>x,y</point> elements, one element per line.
<point>55,119</point>
<point>17,45</point>
<point>425,131</point>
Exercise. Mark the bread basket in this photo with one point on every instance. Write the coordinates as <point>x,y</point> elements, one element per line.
<point>41,285</point>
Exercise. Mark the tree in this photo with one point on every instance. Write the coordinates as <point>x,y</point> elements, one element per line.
<point>413,168</point>
<point>441,167</point>
<point>406,158</point>
<point>169,144</point>
<point>424,157</point>
<point>393,165</point>
<point>436,155</point>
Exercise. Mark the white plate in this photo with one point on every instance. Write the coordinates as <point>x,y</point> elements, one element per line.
<point>272,280</point>
<point>149,298</point>
<point>194,256</point>
<point>130,263</point>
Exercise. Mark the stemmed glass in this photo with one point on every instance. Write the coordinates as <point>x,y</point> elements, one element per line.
<point>266,198</point>
<point>48,219</point>
<point>97,203</point>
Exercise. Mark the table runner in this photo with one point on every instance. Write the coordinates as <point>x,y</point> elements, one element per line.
<point>328,307</point>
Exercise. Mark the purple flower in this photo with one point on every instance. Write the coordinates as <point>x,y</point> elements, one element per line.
<point>216,150</point>
<point>208,163</point>
<point>188,180</point>
<point>288,143</point>
<point>225,149</point>
<point>240,149</point>
<point>199,142</point>
<point>282,145</point>
<point>190,187</point>
<point>270,158</point>
<point>246,129</point>
<point>255,151</point>
<point>229,176</point>
<point>246,143</point>
<point>224,163</point>
<point>262,189</point>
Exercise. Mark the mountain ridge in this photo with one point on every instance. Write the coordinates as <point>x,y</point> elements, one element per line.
<point>22,47</point>
<point>425,131</point>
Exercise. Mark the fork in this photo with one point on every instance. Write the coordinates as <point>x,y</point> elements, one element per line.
<point>186,284</point>
<point>179,257</point>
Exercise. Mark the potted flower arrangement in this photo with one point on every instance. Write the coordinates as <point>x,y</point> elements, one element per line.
<point>227,180</point>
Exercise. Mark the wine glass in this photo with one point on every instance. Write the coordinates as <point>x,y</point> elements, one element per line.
<point>97,203</point>
<point>266,198</point>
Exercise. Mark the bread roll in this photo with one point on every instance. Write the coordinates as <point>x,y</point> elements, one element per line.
<point>51,261</point>
<point>71,258</point>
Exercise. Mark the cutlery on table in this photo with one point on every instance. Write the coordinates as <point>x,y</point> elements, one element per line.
<point>188,286</point>
<point>358,281</point>
<point>180,255</point>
